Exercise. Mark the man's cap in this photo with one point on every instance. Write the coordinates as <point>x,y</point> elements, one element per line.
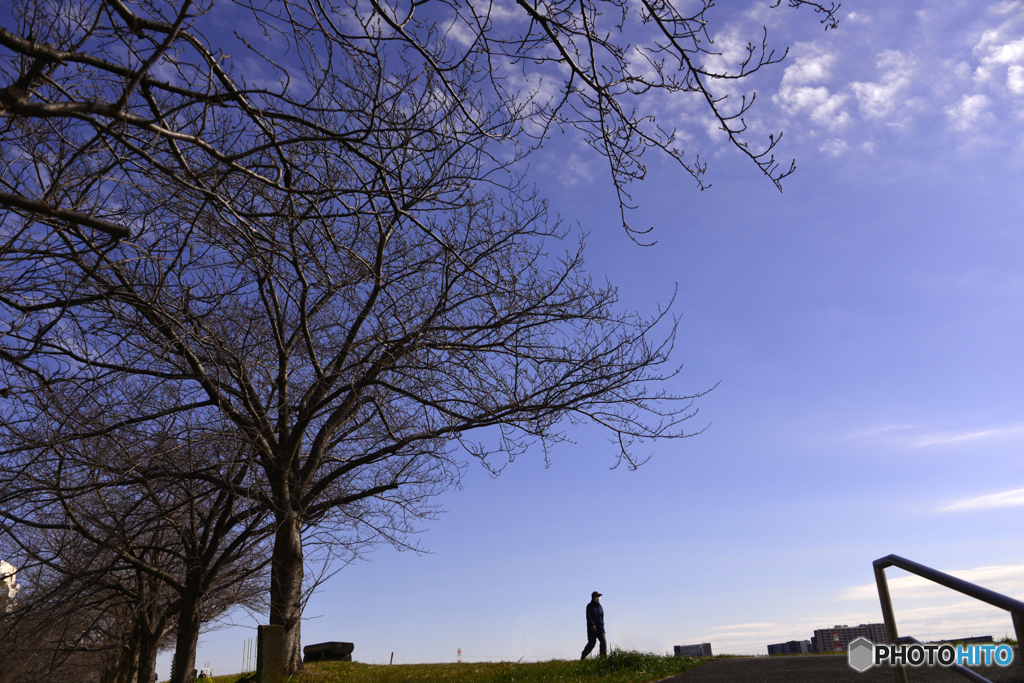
<point>595,594</point>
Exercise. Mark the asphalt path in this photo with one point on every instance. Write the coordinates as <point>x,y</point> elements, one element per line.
<point>829,669</point>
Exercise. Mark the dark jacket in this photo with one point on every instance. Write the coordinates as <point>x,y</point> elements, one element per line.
<point>595,617</point>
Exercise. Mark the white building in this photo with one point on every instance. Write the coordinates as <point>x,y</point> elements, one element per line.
<point>8,585</point>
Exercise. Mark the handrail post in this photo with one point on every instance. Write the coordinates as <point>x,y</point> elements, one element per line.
<point>1018,626</point>
<point>898,671</point>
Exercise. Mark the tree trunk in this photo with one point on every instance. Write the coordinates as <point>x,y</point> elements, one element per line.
<point>146,663</point>
<point>189,622</point>
<point>150,626</point>
<point>124,667</point>
<point>286,589</point>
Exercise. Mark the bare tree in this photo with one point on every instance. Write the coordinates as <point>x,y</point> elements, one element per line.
<point>137,83</point>
<point>355,353</point>
<point>333,253</point>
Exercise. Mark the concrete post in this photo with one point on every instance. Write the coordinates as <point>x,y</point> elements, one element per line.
<point>270,654</point>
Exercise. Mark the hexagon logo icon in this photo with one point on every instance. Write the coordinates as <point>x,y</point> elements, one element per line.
<point>862,654</point>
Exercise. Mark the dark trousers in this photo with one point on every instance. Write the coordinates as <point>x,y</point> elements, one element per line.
<point>593,637</point>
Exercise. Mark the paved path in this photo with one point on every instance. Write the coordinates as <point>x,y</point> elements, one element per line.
<point>828,669</point>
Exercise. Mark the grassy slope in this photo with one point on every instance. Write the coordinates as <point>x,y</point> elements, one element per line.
<point>620,667</point>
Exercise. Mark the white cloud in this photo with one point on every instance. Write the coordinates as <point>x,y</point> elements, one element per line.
<point>1014,498</point>
<point>823,107</point>
<point>830,112</point>
<point>833,147</point>
<point>946,438</point>
<point>730,51</point>
<point>1015,79</point>
<point>1008,579</point>
<point>879,98</point>
<point>960,619</point>
<point>799,92</point>
<point>713,128</point>
<point>1004,7</point>
<point>496,10</point>
<point>744,627</point>
<point>804,97</point>
<point>1007,53</point>
<point>576,171</point>
<point>913,436</point>
<point>876,99</point>
<point>968,112</point>
<point>814,66</point>
<point>1001,48</point>
<point>459,31</point>
<point>883,430</point>
<point>643,64</point>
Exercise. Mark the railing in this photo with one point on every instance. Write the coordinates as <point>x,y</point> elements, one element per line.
<point>1014,607</point>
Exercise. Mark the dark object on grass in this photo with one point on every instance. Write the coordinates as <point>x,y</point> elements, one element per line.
<point>328,652</point>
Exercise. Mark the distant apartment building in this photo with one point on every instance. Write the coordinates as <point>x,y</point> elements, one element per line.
<point>791,647</point>
<point>699,650</point>
<point>839,637</point>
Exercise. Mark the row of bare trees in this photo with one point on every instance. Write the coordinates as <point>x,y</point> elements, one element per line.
<point>126,549</point>
<point>272,287</point>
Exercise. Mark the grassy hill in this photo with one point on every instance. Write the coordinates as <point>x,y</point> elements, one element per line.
<point>622,666</point>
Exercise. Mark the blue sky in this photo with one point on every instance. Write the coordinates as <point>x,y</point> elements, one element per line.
<point>866,330</point>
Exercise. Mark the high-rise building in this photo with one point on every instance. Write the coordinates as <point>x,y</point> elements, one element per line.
<point>839,637</point>
<point>792,647</point>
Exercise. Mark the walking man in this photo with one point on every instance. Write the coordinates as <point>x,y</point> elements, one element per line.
<point>595,626</point>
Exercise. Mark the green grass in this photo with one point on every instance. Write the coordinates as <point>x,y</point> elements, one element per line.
<point>621,666</point>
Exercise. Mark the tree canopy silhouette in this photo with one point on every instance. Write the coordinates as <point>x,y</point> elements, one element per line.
<point>316,228</point>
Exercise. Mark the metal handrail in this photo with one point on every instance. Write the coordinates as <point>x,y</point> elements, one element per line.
<point>1014,607</point>
<point>959,668</point>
